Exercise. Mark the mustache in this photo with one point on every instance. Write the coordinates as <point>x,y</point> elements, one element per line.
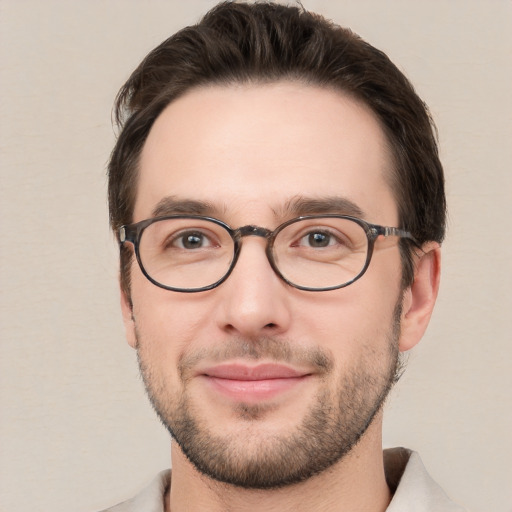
<point>262,348</point>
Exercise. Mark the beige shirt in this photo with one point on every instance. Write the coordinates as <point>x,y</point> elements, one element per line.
<point>413,488</point>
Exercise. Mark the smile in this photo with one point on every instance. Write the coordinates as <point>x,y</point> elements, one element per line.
<point>244,383</point>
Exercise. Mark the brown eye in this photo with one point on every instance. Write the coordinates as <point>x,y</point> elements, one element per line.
<point>192,240</point>
<point>319,239</point>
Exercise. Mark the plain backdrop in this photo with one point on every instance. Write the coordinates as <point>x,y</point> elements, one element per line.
<point>76,432</point>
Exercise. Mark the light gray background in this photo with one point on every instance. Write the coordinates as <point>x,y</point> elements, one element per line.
<point>75,430</point>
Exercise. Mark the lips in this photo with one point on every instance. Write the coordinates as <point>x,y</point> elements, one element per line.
<point>253,383</point>
<point>247,373</point>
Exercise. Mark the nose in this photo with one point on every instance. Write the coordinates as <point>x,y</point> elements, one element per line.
<point>254,301</point>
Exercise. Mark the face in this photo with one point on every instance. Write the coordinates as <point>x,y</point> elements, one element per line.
<point>255,372</point>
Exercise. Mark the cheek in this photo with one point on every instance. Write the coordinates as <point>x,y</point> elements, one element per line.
<point>350,320</point>
<point>168,323</point>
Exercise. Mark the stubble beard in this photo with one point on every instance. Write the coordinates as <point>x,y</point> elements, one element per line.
<point>328,432</point>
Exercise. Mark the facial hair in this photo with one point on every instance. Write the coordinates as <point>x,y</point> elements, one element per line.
<point>333,425</point>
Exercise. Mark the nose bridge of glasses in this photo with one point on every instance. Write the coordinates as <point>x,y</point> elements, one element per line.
<point>251,230</point>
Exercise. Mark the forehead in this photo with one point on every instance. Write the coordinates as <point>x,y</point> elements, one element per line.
<point>247,148</point>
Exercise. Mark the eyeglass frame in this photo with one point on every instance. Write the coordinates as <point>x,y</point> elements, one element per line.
<point>133,232</point>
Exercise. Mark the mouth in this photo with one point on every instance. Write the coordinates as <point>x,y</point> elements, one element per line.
<point>251,384</point>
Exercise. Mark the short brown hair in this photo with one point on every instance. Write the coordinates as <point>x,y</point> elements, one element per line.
<point>266,42</point>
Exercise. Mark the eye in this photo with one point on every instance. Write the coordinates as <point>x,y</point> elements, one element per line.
<point>191,240</point>
<point>318,239</point>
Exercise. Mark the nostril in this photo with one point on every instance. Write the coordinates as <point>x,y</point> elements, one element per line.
<point>230,328</point>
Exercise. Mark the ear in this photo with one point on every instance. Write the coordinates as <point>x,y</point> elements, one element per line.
<point>420,297</point>
<point>128,319</point>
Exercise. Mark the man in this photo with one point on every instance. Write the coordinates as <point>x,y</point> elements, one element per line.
<point>279,202</point>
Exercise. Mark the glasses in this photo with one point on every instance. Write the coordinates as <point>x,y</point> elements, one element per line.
<point>186,253</point>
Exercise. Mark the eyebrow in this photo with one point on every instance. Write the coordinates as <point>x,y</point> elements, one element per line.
<point>301,205</point>
<point>170,205</point>
<point>295,207</point>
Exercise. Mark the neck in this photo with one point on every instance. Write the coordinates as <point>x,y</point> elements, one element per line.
<point>356,483</point>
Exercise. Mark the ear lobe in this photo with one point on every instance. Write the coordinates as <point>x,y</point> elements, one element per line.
<point>128,319</point>
<point>420,297</point>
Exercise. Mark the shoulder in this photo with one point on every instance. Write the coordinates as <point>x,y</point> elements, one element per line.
<point>150,499</point>
<point>414,489</point>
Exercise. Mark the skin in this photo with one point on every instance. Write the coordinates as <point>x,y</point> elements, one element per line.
<point>248,151</point>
